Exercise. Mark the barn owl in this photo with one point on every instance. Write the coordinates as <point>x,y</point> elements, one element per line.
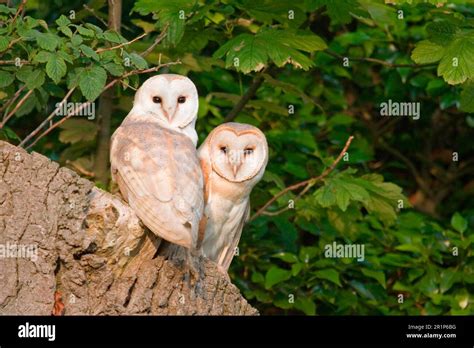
<point>170,101</point>
<point>233,159</point>
<point>154,160</point>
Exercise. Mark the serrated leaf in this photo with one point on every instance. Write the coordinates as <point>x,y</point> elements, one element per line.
<point>4,42</point>
<point>35,79</point>
<point>56,68</point>
<point>92,81</point>
<point>276,275</point>
<point>77,130</point>
<point>248,52</point>
<point>457,64</point>
<point>76,40</point>
<point>63,21</point>
<point>89,52</point>
<point>441,32</point>
<point>47,41</point>
<point>42,57</point>
<point>114,69</point>
<point>6,78</point>
<point>427,52</point>
<point>329,274</point>
<point>66,31</point>
<point>84,31</point>
<point>138,61</point>
<point>114,37</point>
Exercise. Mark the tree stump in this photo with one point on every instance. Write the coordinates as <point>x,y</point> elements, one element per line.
<point>62,237</point>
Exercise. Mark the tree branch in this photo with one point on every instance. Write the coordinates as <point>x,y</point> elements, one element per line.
<point>308,183</point>
<point>100,50</point>
<point>257,82</point>
<point>15,109</point>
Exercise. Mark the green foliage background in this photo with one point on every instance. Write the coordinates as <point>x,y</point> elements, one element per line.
<point>399,192</point>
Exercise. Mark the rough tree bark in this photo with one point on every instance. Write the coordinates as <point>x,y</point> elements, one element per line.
<point>92,249</point>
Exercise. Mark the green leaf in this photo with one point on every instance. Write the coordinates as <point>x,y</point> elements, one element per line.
<point>114,69</point>
<point>459,223</point>
<point>47,41</point>
<point>6,78</point>
<point>339,11</point>
<point>427,52</point>
<point>89,52</point>
<point>276,275</point>
<point>377,275</point>
<point>56,68</point>
<point>4,42</point>
<point>77,130</point>
<point>42,57</point>
<point>305,305</point>
<point>63,21</point>
<point>248,52</point>
<point>457,64</point>
<point>138,61</point>
<point>441,32</point>
<point>84,31</point>
<point>287,257</point>
<point>66,31</point>
<point>329,274</point>
<point>35,79</point>
<point>114,37</point>
<point>92,81</point>
<point>76,40</point>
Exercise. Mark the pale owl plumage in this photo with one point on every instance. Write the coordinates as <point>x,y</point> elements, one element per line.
<point>233,159</point>
<point>154,160</point>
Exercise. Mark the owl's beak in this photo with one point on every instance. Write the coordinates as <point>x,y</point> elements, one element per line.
<point>169,113</point>
<point>235,169</point>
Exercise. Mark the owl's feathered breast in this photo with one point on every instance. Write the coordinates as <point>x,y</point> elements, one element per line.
<point>158,172</point>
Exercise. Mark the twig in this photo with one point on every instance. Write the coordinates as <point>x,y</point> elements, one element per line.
<point>257,82</point>
<point>12,100</point>
<point>92,11</point>
<point>100,50</point>
<point>8,62</point>
<point>15,109</point>
<point>157,41</point>
<point>20,9</point>
<point>62,120</point>
<point>379,61</point>
<point>46,121</point>
<point>308,183</point>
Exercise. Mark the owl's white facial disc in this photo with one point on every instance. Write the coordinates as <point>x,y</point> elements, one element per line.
<point>238,154</point>
<point>172,99</point>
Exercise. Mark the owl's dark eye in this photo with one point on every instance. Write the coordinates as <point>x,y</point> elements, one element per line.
<point>224,149</point>
<point>181,99</point>
<point>157,100</point>
<point>248,151</point>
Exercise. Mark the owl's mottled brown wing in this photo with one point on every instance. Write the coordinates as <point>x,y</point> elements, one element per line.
<point>158,173</point>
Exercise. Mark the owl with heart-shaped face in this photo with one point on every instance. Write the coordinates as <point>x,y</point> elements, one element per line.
<point>233,159</point>
<point>154,160</point>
